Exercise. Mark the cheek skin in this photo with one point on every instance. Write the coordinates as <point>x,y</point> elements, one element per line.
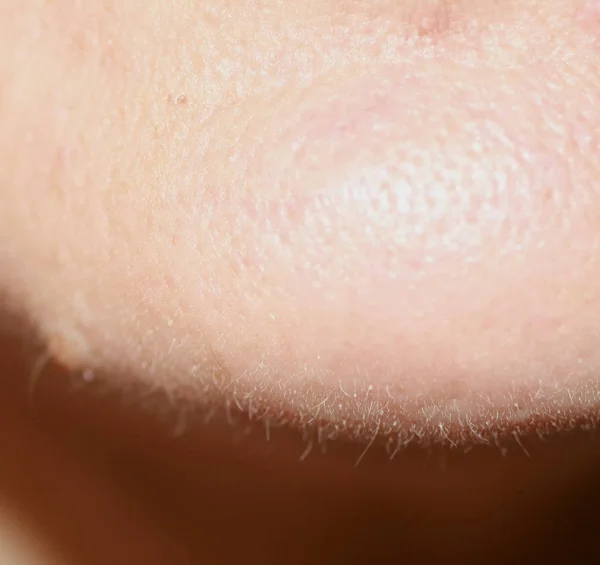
<point>405,244</point>
<point>428,243</point>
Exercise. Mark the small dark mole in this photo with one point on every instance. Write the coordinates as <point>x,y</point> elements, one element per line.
<point>179,100</point>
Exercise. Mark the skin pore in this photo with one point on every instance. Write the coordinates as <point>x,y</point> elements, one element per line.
<point>374,222</point>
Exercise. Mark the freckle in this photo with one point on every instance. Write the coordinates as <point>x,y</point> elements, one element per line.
<point>181,100</point>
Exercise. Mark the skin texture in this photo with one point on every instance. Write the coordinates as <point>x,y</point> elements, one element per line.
<point>366,221</point>
<point>343,215</point>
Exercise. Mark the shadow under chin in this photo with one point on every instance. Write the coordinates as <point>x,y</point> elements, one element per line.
<point>223,489</point>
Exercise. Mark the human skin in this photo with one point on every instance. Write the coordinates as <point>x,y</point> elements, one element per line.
<point>381,220</point>
<point>368,221</point>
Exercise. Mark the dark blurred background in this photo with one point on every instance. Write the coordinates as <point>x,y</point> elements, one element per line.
<point>106,477</point>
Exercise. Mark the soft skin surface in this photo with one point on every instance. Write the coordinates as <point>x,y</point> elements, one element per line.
<point>382,221</point>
